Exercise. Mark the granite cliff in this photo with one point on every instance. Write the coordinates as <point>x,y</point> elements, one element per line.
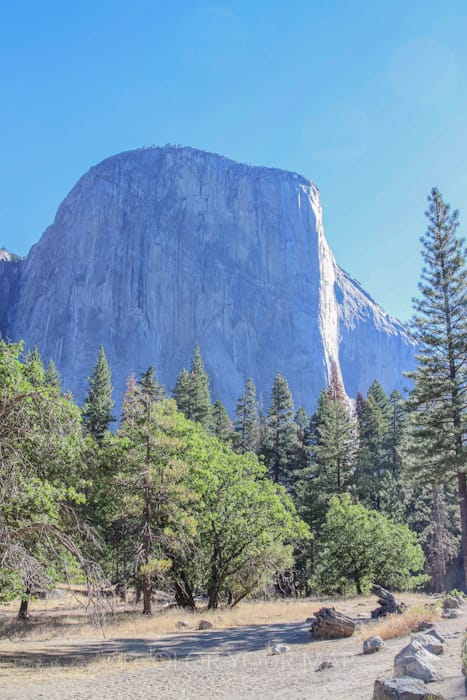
<point>156,249</point>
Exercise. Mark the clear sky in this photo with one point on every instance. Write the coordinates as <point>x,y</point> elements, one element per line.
<point>367,99</point>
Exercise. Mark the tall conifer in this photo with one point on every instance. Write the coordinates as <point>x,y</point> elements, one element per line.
<point>98,406</point>
<point>435,448</point>
<point>282,435</point>
<point>247,435</point>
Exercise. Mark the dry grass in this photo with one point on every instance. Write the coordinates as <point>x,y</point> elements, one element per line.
<point>66,618</point>
<point>51,622</point>
<point>399,625</point>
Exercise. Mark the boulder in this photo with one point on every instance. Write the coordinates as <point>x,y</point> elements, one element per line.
<point>451,603</point>
<point>279,649</point>
<point>387,603</point>
<point>424,626</point>
<point>372,644</point>
<point>432,641</point>
<point>403,689</point>
<point>205,625</point>
<point>415,661</point>
<point>331,624</point>
<point>451,613</point>
<point>182,624</point>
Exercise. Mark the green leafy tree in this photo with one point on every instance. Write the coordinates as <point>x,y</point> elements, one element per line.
<point>358,547</point>
<point>40,478</point>
<point>246,437</point>
<point>98,406</point>
<point>247,526</point>
<point>435,447</point>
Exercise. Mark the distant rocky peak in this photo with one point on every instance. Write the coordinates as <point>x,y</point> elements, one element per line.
<point>6,256</point>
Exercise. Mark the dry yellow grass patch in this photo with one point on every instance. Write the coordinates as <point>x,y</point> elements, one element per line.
<point>400,625</point>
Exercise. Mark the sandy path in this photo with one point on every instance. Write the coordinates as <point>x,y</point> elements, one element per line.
<point>232,663</point>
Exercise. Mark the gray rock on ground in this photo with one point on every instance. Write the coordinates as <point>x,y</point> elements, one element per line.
<point>403,689</point>
<point>432,641</point>
<point>181,624</point>
<point>415,661</point>
<point>205,625</point>
<point>279,649</point>
<point>425,626</point>
<point>372,644</point>
<point>451,603</point>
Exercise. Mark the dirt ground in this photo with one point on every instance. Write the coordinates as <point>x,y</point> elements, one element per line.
<point>233,662</point>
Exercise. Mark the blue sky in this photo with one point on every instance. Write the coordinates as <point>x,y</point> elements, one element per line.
<point>367,99</point>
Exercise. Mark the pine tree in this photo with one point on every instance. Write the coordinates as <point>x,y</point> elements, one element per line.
<point>182,393</point>
<point>435,448</point>
<point>221,423</point>
<point>396,431</point>
<point>282,436</point>
<point>374,453</point>
<point>246,424</point>
<point>202,408</point>
<point>192,392</point>
<point>98,406</point>
<point>301,455</point>
<point>151,384</point>
<point>334,449</point>
<point>34,369</point>
<point>433,513</point>
<point>52,377</point>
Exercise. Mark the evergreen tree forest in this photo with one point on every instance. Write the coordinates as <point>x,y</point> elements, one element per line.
<point>180,496</point>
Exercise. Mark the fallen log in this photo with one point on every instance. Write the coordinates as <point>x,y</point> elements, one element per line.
<point>330,624</point>
<point>388,605</point>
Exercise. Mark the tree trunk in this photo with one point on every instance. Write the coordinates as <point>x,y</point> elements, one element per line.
<point>213,597</point>
<point>462,489</point>
<point>146,587</point>
<point>184,594</point>
<point>440,562</point>
<point>23,613</point>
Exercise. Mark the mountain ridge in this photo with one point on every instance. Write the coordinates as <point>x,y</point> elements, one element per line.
<point>156,249</point>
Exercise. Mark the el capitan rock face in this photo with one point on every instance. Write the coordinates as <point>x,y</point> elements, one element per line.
<point>157,249</point>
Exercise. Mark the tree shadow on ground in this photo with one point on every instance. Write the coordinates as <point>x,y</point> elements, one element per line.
<point>183,645</point>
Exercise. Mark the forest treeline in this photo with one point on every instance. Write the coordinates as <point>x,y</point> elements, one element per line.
<point>183,497</point>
